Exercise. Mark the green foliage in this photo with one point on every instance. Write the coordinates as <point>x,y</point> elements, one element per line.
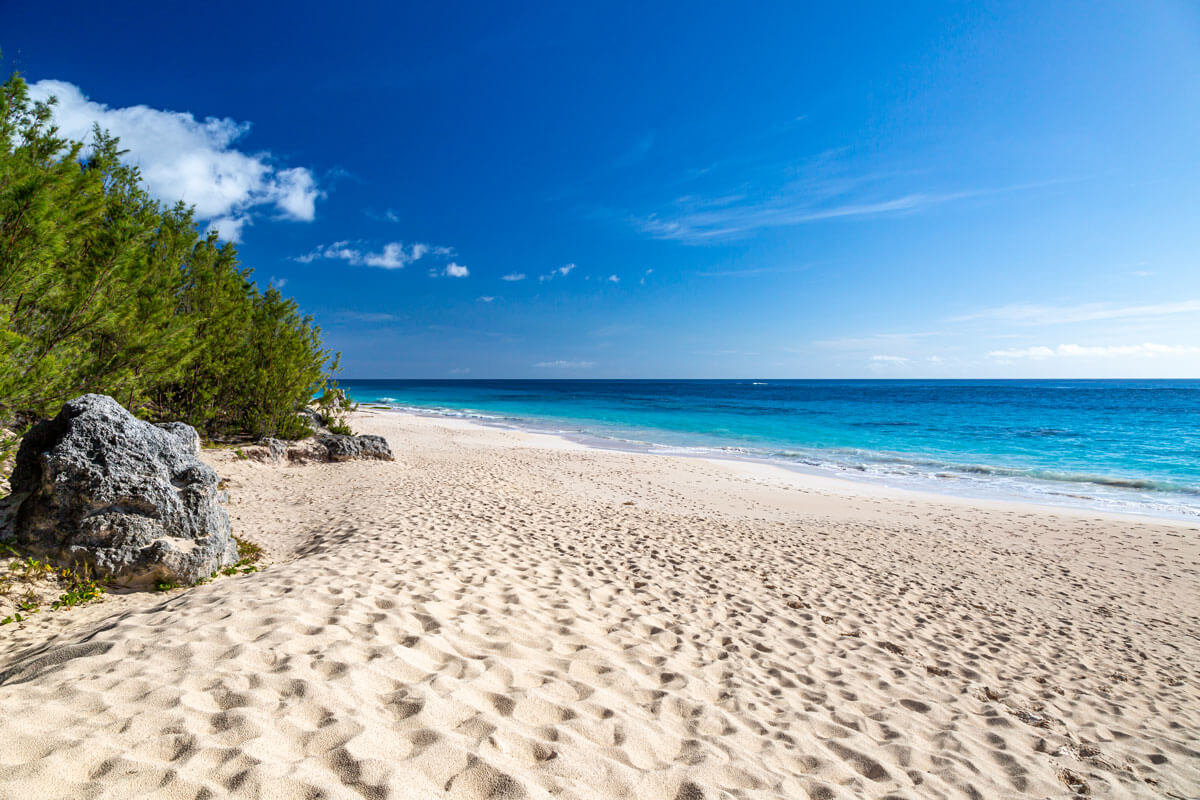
<point>30,569</point>
<point>104,289</point>
<point>334,406</point>
<point>293,427</point>
<point>39,577</point>
<point>81,587</point>
<point>165,586</point>
<point>248,554</point>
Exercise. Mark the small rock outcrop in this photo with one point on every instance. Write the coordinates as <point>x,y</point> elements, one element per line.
<point>351,448</point>
<point>321,448</point>
<point>97,485</point>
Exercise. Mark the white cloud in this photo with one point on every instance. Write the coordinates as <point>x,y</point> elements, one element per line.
<point>278,283</point>
<point>295,193</point>
<point>565,364</point>
<point>229,228</point>
<point>562,271</point>
<point>889,360</point>
<point>392,256</point>
<point>1029,314</point>
<point>486,299</point>
<point>1093,351</point>
<point>613,279</point>
<point>513,276</point>
<point>457,270</point>
<point>183,158</point>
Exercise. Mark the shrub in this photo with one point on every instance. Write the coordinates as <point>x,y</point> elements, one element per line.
<point>103,289</point>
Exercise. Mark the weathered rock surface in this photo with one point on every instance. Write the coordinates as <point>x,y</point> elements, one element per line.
<point>268,451</point>
<point>97,485</point>
<point>350,448</point>
<point>321,448</point>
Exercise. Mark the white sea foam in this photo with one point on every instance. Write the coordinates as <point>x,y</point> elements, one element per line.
<point>889,469</point>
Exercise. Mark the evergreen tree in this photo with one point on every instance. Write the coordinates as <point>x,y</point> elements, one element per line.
<point>103,289</point>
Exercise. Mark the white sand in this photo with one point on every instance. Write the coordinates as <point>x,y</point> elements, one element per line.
<point>502,615</point>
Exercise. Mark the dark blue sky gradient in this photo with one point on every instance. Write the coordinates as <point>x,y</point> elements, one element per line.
<point>784,189</point>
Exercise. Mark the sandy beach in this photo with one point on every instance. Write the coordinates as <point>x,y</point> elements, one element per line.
<point>507,615</point>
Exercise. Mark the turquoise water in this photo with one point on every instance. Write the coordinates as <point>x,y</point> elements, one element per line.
<point>1114,445</point>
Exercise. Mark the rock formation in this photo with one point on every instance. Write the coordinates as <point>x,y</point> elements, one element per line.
<point>320,448</point>
<point>133,500</point>
<point>350,448</point>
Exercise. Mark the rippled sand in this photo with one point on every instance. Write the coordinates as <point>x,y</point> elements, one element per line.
<point>503,615</point>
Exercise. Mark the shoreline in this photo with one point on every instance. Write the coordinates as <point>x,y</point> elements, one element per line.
<point>864,483</point>
<point>513,615</point>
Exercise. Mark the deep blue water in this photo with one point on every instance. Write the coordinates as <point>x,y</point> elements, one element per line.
<point>1119,445</point>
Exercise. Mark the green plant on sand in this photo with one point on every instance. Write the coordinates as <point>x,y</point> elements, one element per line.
<point>335,406</point>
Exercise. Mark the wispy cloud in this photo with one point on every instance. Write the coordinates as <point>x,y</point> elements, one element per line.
<point>1093,351</point>
<point>394,255</point>
<point>636,153</point>
<point>513,276</point>
<point>560,272</point>
<point>367,316</point>
<point>565,364</point>
<point>487,298</point>
<point>698,225</point>
<point>896,360</point>
<point>388,215</point>
<point>454,270</point>
<point>747,194</point>
<point>613,279</point>
<point>196,161</point>
<point>1030,314</point>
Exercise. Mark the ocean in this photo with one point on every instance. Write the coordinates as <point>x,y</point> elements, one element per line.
<point>1131,446</point>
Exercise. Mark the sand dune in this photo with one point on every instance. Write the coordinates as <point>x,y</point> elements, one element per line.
<point>499,615</point>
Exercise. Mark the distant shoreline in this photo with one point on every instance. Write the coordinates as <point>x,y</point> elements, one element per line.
<point>781,471</point>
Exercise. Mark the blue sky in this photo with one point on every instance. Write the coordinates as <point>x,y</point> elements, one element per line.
<point>670,190</point>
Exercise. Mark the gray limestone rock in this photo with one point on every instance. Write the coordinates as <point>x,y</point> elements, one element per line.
<point>97,485</point>
<point>349,448</point>
<point>319,449</point>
